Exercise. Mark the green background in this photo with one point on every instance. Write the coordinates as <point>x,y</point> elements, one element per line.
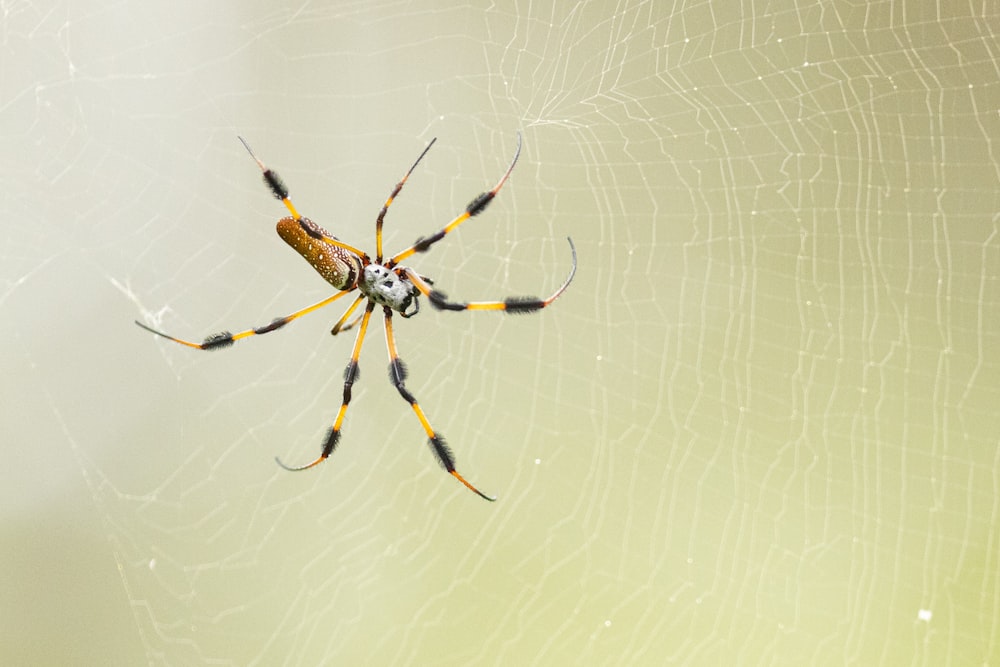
<point>759,428</point>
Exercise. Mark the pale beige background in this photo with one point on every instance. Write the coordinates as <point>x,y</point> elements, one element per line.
<point>759,428</point>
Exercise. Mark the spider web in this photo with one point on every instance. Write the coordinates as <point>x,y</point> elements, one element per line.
<point>760,427</point>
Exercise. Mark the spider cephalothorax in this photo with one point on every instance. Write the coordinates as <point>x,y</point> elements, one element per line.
<point>387,288</point>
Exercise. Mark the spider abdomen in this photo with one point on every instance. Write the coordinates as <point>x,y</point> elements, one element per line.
<point>338,267</point>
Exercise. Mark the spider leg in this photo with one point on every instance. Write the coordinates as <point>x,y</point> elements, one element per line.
<point>350,375</point>
<point>280,192</point>
<point>475,207</point>
<point>347,327</point>
<point>388,203</point>
<point>513,304</point>
<point>225,338</point>
<point>340,326</point>
<point>397,374</point>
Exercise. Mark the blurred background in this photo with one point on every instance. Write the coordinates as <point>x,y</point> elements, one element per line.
<point>760,427</point>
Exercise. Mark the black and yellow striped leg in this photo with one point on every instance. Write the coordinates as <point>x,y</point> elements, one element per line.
<point>388,203</point>
<point>513,304</point>
<point>397,374</point>
<point>350,375</point>
<point>475,207</point>
<point>280,191</point>
<point>225,338</point>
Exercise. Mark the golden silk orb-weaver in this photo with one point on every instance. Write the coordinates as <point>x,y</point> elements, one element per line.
<point>382,282</point>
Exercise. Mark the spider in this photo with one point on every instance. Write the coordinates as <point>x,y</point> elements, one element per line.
<point>383,282</point>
